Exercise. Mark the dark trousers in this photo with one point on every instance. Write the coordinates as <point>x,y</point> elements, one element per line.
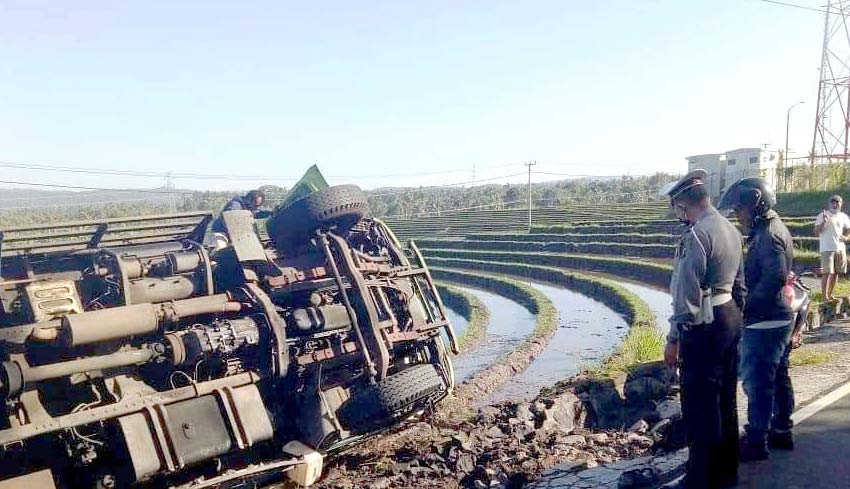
<point>764,370</point>
<point>709,376</point>
<point>783,401</point>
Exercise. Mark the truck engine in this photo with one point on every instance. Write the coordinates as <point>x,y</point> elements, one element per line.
<point>133,355</point>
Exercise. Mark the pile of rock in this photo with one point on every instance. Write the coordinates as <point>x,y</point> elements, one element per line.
<point>509,444</point>
<point>642,400</point>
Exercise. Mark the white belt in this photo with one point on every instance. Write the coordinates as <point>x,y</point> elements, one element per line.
<point>720,299</point>
<point>779,323</point>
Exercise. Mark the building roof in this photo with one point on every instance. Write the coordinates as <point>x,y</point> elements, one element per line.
<point>708,155</point>
<point>748,150</point>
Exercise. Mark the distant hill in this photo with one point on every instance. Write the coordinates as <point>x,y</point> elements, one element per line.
<point>15,197</point>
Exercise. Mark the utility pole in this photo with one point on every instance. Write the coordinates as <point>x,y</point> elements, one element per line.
<point>529,165</point>
<point>785,163</point>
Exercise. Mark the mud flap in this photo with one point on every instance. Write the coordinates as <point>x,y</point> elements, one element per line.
<point>308,472</point>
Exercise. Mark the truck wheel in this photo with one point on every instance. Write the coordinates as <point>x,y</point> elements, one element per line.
<point>393,398</point>
<point>340,207</point>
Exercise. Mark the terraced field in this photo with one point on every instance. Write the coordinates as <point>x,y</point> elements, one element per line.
<point>583,288</point>
<point>600,272</point>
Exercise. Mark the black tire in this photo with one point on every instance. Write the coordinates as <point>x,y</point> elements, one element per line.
<point>393,398</point>
<point>338,207</point>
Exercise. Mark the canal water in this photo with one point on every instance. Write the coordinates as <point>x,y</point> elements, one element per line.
<point>588,331</point>
<point>459,323</point>
<point>659,302</point>
<point>510,324</point>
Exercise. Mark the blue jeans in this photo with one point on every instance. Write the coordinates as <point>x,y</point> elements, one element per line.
<point>764,369</point>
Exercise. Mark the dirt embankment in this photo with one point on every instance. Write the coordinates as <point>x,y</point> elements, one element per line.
<point>509,444</point>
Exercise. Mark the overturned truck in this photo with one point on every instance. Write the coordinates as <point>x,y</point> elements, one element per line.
<point>131,355</point>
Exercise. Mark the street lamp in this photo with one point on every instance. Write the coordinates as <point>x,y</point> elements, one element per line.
<point>785,156</point>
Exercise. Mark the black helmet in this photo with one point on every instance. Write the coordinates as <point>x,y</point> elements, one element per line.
<point>752,192</point>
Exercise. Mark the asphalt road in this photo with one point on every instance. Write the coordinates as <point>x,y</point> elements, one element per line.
<point>821,458</point>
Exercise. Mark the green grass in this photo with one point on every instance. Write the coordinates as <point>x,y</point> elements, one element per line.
<point>614,227</point>
<point>799,229</point>
<point>806,258</point>
<point>842,289</point>
<point>642,344</point>
<point>806,203</point>
<point>632,238</point>
<point>609,249</point>
<point>647,272</point>
<point>801,358</point>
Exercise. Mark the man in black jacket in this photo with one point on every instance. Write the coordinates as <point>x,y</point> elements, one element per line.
<point>249,202</point>
<point>767,318</point>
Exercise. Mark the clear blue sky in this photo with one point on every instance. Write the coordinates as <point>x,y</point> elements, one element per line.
<point>397,87</point>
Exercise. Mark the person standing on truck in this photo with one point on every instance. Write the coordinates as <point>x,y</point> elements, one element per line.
<point>708,293</point>
<point>831,227</point>
<point>251,201</point>
<point>766,342</point>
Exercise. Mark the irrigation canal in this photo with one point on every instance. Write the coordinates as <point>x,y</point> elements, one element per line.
<point>659,302</point>
<point>588,332</point>
<point>458,322</point>
<point>510,324</point>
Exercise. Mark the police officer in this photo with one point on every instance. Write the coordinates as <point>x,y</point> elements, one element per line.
<point>250,202</point>
<point>766,340</point>
<point>708,293</point>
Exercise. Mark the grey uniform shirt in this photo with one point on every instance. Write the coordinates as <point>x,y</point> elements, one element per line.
<point>710,254</point>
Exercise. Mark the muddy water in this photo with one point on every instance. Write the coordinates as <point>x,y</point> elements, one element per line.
<point>459,323</point>
<point>588,332</point>
<point>509,324</point>
<point>659,302</point>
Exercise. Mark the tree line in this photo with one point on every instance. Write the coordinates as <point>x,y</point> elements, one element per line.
<point>383,202</point>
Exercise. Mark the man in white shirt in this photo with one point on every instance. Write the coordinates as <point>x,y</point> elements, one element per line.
<point>831,226</point>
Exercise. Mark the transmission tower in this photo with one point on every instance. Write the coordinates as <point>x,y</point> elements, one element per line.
<point>832,116</point>
<point>169,186</point>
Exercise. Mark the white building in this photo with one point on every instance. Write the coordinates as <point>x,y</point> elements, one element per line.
<point>724,169</point>
<point>715,166</point>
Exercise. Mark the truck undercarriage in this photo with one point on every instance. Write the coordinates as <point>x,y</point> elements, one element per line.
<point>133,355</point>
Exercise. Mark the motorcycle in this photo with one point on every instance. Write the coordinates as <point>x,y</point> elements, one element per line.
<point>795,293</point>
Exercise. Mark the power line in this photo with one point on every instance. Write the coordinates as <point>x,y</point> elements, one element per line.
<point>575,175</point>
<point>77,204</point>
<point>134,173</point>
<point>41,197</point>
<point>204,176</point>
<point>793,5</point>
<point>421,189</point>
<point>78,187</point>
<point>839,11</point>
<point>189,192</point>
